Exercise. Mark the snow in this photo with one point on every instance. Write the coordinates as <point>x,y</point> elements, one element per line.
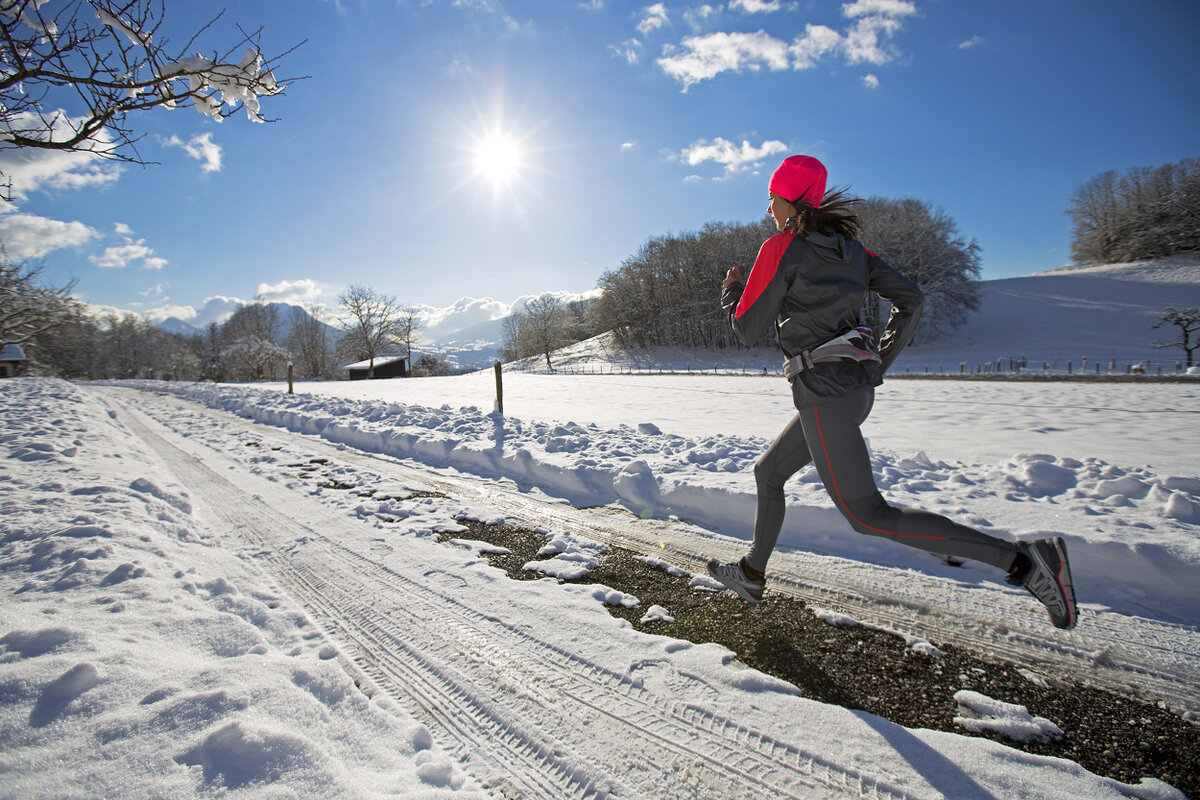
<point>981,714</point>
<point>1110,467</point>
<point>192,572</point>
<point>144,655</point>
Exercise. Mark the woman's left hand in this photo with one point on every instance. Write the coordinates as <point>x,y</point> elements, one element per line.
<point>733,276</point>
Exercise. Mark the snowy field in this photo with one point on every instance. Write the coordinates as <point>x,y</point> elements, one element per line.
<point>175,622</point>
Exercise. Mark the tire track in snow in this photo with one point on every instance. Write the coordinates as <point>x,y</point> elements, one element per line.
<point>499,695</point>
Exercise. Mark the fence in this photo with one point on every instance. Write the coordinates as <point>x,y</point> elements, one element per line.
<point>1000,369</point>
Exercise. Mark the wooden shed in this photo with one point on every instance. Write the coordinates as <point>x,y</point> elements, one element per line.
<point>12,360</point>
<point>387,367</point>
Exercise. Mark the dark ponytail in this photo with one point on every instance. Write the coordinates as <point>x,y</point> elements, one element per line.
<point>836,215</point>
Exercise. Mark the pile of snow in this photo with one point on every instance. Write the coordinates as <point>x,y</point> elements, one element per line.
<point>979,713</point>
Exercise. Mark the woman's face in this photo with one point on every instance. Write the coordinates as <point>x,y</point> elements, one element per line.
<point>781,210</point>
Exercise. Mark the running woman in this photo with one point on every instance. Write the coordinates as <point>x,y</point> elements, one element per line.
<point>811,280</point>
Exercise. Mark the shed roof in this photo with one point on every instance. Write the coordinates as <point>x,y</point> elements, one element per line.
<point>379,362</point>
<point>12,352</point>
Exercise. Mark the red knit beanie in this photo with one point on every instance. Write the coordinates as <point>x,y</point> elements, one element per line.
<point>799,178</point>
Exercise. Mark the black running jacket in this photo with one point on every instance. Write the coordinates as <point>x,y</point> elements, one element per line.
<point>813,286</point>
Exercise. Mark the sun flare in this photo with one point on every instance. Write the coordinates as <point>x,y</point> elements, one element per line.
<point>498,158</point>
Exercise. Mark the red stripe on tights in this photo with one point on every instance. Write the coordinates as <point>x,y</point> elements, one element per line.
<point>842,503</point>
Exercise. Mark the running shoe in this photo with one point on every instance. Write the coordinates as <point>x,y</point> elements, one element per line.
<point>733,576</point>
<point>1046,574</point>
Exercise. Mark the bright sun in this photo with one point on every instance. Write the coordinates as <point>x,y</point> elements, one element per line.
<point>498,158</point>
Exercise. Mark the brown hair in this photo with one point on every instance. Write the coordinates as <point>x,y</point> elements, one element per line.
<point>835,215</point>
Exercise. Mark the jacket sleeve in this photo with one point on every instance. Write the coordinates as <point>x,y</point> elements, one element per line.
<point>754,307</point>
<point>907,302</point>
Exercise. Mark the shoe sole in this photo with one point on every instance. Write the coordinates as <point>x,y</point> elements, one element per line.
<point>1062,577</point>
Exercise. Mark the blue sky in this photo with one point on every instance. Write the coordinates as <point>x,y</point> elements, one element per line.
<point>622,121</point>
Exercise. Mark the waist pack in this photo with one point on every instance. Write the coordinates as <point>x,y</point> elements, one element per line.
<point>857,345</point>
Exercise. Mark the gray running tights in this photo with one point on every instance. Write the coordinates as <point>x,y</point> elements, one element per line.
<point>828,435</point>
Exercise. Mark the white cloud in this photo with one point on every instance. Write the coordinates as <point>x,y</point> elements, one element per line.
<point>885,8</point>
<point>119,256</point>
<point>31,168</point>
<point>156,315</point>
<point>216,309</point>
<point>465,313</point>
<point>627,146</point>
<point>703,57</point>
<point>630,50</point>
<point>866,40</point>
<point>870,81</point>
<point>30,236</point>
<point>294,292</point>
<point>734,158</point>
<point>202,148</point>
<point>756,6</point>
<point>698,16</point>
<point>122,255</point>
<point>655,17</point>
<point>967,44</point>
<point>817,41</point>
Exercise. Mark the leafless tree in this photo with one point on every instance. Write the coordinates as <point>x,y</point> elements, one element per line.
<point>112,59</point>
<point>373,325</point>
<point>212,365</point>
<point>28,306</point>
<point>1188,322</point>
<point>544,322</point>
<point>924,243</point>
<point>407,325</point>
<point>510,337</point>
<point>1146,212</point>
<point>309,341</point>
<point>251,342</point>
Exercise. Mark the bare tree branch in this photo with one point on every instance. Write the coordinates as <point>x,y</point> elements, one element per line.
<point>112,61</point>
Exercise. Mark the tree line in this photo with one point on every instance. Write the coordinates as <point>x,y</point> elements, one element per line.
<point>668,293</point>
<point>1145,212</point>
<point>62,337</point>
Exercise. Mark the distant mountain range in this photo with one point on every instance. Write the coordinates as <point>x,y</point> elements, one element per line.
<point>288,316</point>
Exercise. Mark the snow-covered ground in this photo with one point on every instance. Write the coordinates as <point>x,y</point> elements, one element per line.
<point>186,608</point>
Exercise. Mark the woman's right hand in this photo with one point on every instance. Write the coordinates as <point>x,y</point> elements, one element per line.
<point>733,276</point>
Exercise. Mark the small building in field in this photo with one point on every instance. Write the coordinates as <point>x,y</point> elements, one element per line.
<point>386,367</point>
<point>12,360</point>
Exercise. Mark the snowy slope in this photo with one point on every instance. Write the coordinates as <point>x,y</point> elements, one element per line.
<point>1098,313</point>
<point>1052,320</point>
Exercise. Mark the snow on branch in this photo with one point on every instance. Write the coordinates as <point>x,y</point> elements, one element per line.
<point>116,62</point>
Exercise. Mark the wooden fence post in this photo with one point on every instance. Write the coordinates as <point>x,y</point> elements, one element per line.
<point>499,389</point>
